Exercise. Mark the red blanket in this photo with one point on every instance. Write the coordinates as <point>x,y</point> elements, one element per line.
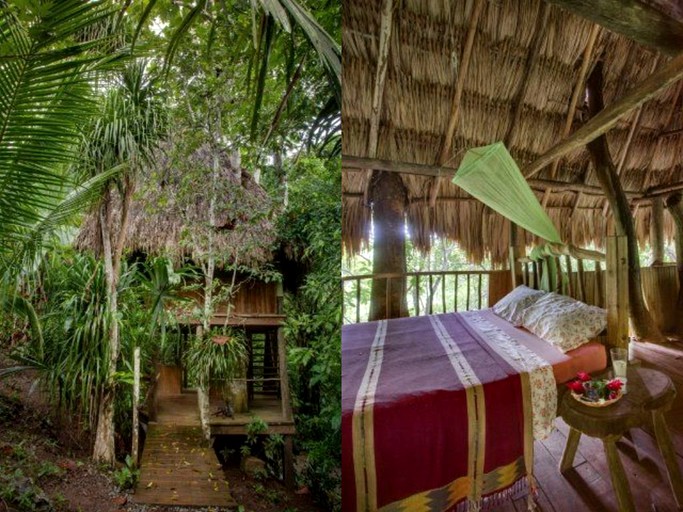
<point>433,419</point>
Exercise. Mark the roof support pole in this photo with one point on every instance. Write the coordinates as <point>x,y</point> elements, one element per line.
<point>675,207</point>
<point>641,319</point>
<point>657,231</point>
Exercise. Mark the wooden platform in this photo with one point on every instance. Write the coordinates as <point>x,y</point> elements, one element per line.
<point>269,409</point>
<point>180,410</point>
<point>587,487</point>
<point>177,465</point>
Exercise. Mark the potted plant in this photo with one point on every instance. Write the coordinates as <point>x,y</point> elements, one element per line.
<point>215,361</point>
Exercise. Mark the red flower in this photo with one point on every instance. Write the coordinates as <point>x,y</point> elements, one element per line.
<point>614,385</point>
<point>576,386</point>
<point>583,376</point>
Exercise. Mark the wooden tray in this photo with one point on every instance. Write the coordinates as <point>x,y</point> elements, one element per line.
<point>601,403</point>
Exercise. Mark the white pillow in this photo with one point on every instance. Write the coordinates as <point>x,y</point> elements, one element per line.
<point>564,322</point>
<point>512,306</point>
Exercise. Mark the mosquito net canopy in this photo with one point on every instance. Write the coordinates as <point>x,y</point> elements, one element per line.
<point>489,174</point>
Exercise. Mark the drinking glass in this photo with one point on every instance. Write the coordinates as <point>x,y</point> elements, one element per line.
<point>619,364</point>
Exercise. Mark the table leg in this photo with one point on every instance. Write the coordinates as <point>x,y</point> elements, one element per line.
<point>570,450</point>
<point>618,476</point>
<point>669,455</point>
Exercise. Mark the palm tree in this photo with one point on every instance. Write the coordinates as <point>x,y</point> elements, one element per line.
<point>49,58</point>
<point>124,135</point>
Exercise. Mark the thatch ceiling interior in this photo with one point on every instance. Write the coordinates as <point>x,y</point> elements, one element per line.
<point>514,58</point>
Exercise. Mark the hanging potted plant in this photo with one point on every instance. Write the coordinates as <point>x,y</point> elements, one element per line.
<point>215,361</point>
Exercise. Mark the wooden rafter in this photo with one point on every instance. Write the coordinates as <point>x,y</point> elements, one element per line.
<point>457,96</point>
<point>354,163</point>
<point>633,19</point>
<point>669,74</point>
<point>531,60</point>
<point>516,234</point>
<point>660,139</point>
<point>460,84</point>
<point>579,88</point>
<point>386,24</point>
<point>626,150</point>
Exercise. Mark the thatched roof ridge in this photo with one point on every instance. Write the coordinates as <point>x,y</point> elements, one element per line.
<point>166,221</point>
<point>426,46</point>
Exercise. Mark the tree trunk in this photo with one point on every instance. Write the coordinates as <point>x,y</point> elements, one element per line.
<point>389,252</point>
<point>641,320</point>
<point>675,206</point>
<point>657,231</point>
<point>103,450</point>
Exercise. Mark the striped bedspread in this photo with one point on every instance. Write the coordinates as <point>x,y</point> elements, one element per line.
<point>439,413</point>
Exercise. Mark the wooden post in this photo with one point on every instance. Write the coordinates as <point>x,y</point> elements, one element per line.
<point>135,449</point>
<point>643,324</point>
<point>675,206</point>
<point>280,298</point>
<point>516,252</point>
<point>288,463</point>
<point>616,288</point>
<point>657,231</point>
<point>284,378</point>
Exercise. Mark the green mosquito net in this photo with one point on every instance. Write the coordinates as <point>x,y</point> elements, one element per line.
<point>491,175</point>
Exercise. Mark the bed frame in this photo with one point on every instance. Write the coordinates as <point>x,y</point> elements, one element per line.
<point>609,291</point>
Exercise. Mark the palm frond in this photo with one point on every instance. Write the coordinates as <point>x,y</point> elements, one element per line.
<point>328,50</point>
<point>46,72</point>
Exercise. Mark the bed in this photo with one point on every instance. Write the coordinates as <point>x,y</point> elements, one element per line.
<point>440,412</point>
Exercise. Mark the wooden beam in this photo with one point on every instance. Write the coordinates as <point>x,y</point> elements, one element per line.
<point>662,190</point>
<point>457,96</point>
<point>657,231</point>
<point>355,163</point>
<point>625,151</point>
<point>351,163</point>
<point>608,117</point>
<point>460,84</point>
<point>579,88</point>
<point>633,19</point>
<point>660,139</point>
<point>380,77</point>
<point>532,58</point>
<point>670,132</point>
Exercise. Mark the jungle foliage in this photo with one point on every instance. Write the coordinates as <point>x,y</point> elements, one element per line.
<point>91,94</point>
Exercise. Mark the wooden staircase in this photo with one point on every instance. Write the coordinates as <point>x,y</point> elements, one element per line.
<point>177,466</point>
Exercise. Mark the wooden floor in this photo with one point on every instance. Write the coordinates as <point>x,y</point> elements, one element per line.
<point>587,486</point>
<point>181,410</point>
<point>177,466</point>
<point>265,407</point>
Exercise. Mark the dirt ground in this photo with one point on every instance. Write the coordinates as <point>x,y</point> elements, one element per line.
<point>45,463</point>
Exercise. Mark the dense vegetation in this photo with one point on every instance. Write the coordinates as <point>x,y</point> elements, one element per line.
<point>98,100</point>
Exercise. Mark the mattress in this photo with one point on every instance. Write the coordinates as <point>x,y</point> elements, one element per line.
<point>440,412</point>
<point>590,358</point>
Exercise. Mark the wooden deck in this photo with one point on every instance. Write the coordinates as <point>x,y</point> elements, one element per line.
<point>267,408</point>
<point>177,465</point>
<point>587,486</point>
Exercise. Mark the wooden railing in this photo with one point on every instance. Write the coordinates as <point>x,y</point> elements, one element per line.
<point>428,292</point>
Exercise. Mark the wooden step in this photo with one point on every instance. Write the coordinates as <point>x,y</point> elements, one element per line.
<point>179,468</point>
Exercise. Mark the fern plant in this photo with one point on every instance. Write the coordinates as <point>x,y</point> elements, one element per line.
<point>207,360</point>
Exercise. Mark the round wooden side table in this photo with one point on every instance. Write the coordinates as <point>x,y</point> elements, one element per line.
<point>649,393</point>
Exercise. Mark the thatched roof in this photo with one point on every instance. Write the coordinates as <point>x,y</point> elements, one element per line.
<point>426,47</point>
<point>169,213</point>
